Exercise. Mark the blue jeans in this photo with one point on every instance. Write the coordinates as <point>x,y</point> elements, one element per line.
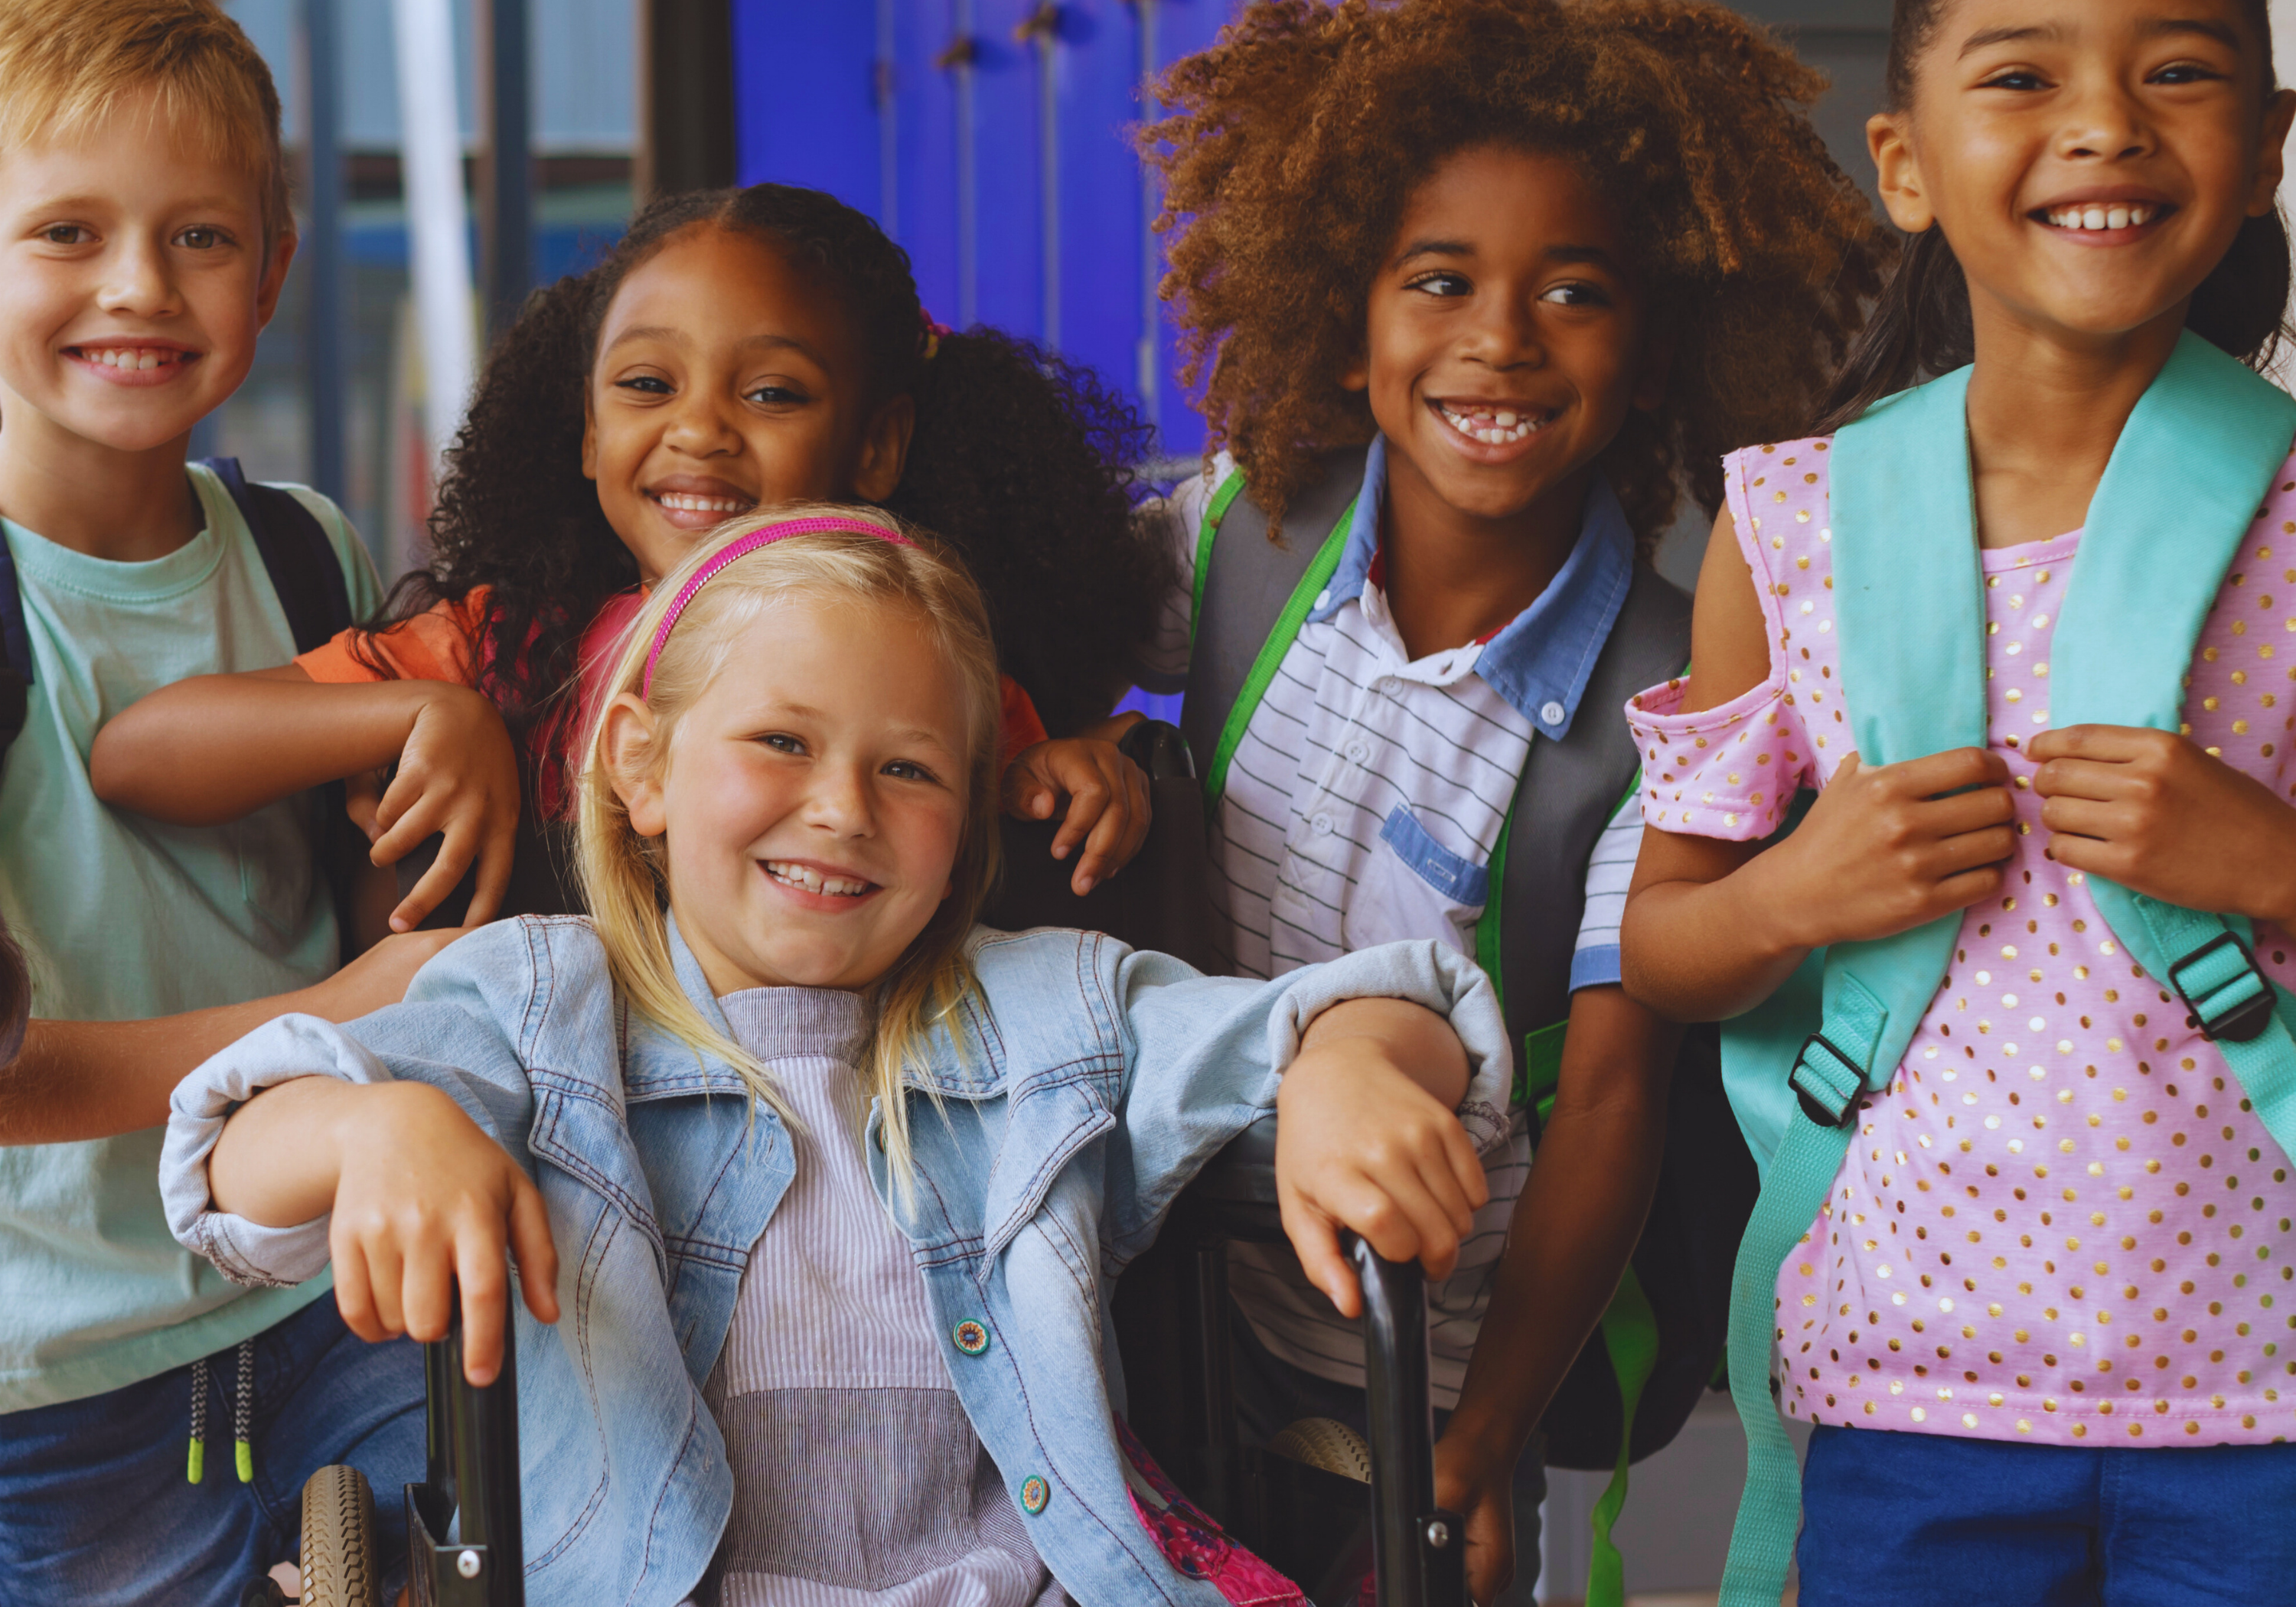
<point>1271,1393</point>
<point>1896,1519</point>
<point>95,1507</point>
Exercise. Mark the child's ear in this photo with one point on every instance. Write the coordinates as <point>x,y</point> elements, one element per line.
<point>1888,136</point>
<point>274,277</point>
<point>885,449</point>
<point>1356,375</point>
<point>2272,159</point>
<point>626,747</point>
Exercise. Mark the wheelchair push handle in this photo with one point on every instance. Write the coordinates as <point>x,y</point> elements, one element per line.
<point>465,1547</point>
<point>1419,1550</point>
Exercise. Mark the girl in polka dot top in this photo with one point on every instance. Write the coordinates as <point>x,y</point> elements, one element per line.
<point>2059,1257</point>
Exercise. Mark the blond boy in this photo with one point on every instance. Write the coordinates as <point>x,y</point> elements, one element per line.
<point>144,239</point>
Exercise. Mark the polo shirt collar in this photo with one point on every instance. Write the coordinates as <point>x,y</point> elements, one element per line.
<point>1541,662</point>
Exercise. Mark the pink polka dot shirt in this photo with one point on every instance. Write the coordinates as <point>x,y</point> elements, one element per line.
<point>2060,1221</point>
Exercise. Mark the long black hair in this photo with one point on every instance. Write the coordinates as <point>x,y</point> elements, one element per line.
<point>1920,326</point>
<point>1019,461</point>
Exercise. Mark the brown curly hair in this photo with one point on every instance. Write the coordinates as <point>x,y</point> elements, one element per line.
<point>1295,142</point>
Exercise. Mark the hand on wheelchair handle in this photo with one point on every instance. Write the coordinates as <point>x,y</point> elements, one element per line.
<point>1108,807</point>
<point>1362,1145</point>
<point>428,1205</point>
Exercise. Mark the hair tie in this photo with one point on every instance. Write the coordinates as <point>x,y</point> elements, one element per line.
<point>741,547</point>
<point>933,331</point>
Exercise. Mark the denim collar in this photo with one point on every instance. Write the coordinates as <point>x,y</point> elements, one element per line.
<point>1540,662</point>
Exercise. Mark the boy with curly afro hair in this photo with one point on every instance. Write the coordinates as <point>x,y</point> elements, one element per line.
<point>1475,289</point>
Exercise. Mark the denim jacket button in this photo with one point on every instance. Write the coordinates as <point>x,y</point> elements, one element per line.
<point>1036,1495</point>
<point>971,1338</point>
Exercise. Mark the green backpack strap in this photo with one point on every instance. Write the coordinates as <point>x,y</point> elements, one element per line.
<point>1907,581</point>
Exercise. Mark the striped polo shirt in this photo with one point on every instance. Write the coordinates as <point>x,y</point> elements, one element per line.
<point>1362,805</point>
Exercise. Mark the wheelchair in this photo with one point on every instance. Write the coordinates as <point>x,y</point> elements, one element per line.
<point>1348,1517</point>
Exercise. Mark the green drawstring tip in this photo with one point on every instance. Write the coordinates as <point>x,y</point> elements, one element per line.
<point>198,1469</point>
<point>242,1456</point>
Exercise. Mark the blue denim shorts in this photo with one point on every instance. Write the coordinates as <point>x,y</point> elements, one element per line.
<point>95,1507</point>
<point>1896,1519</point>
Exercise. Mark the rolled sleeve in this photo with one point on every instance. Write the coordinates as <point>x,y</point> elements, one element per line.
<point>1426,973</point>
<point>246,1253</point>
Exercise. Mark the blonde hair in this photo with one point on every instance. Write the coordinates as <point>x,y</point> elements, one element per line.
<point>64,64</point>
<point>624,876</point>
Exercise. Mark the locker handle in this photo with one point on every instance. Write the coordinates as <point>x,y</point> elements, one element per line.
<point>963,51</point>
<point>1043,23</point>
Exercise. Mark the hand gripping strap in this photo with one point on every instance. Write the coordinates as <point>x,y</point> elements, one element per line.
<point>1828,1079</point>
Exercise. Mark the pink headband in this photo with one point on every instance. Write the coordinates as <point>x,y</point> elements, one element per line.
<point>734,550</point>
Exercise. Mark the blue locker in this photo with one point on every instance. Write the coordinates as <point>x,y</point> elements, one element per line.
<point>992,139</point>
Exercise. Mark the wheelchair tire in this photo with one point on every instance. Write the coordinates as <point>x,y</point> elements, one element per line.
<point>1325,1443</point>
<point>339,1563</point>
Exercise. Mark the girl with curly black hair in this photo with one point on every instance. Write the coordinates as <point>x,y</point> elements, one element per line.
<point>1476,288</point>
<point>737,349</point>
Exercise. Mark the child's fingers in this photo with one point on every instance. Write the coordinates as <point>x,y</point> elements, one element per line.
<point>1088,799</point>
<point>1117,836</point>
<point>454,855</point>
<point>1317,1241</point>
<point>495,853</point>
<point>1464,1165</point>
<point>385,1284</point>
<point>355,1290</point>
<point>536,1251</point>
<point>426,1297</point>
<point>417,817</point>
<point>1988,845</point>
<point>485,1278</point>
<point>362,803</point>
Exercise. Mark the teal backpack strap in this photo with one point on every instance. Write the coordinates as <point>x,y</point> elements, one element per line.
<point>1270,657</point>
<point>2203,402</point>
<point>1897,602</point>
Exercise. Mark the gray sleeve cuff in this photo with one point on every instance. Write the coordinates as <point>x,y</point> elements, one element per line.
<point>1424,972</point>
<point>278,1051</point>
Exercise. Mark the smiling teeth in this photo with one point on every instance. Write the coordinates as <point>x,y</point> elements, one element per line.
<point>131,356</point>
<point>814,881</point>
<point>2101,218</point>
<point>681,503</point>
<point>1496,428</point>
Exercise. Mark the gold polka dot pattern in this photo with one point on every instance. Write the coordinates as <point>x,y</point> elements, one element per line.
<point>2061,1222</point>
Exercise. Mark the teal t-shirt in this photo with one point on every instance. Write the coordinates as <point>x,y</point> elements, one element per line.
<point>125,918</point>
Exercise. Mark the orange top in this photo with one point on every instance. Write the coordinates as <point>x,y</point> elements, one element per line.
<point>437,645</point>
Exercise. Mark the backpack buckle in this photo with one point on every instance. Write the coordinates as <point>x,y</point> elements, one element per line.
<point>2225,996</point>
<point>1827,1087</point>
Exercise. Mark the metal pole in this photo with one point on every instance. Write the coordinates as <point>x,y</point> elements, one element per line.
<point>430,140</point>
<point>1149,357</point>
<point>323,308</point>
<point>510,162</point>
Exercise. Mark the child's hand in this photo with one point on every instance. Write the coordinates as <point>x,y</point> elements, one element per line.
<point>1884,849</point>
<point>1481,1491</point>
<point>1365,1139</point>
<point>457,777</point>
<point>2154,812</point>
<point>377,978</point>
<point>1108,803</point>
<point>425,1202</point>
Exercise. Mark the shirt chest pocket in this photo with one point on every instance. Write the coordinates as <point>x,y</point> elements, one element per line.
<point>1414,886</point>
<point>277,872</point>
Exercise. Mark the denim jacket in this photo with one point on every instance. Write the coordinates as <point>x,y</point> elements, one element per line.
<point>1083,1086</point>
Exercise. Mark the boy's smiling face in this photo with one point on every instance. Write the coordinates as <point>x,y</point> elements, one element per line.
<point>1505,338</point>
<point>133,281</point>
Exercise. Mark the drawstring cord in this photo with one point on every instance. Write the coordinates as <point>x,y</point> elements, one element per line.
<point>242,1418</point>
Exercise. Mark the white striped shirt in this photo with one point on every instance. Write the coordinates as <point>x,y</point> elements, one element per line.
<point>1362,805</point>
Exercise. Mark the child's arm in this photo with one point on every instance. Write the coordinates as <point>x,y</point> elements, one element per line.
<point>214,747</point>
<point>421,1201</point>
<point>2153,811</point>
<point>78,1080</point>
<point>1713,928</point>
<point>1572,1230</point>
<point>1365,1139</point>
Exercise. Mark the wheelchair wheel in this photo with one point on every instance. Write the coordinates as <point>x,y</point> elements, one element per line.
<point>1322,1442</point>
<point>339,1566</point>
